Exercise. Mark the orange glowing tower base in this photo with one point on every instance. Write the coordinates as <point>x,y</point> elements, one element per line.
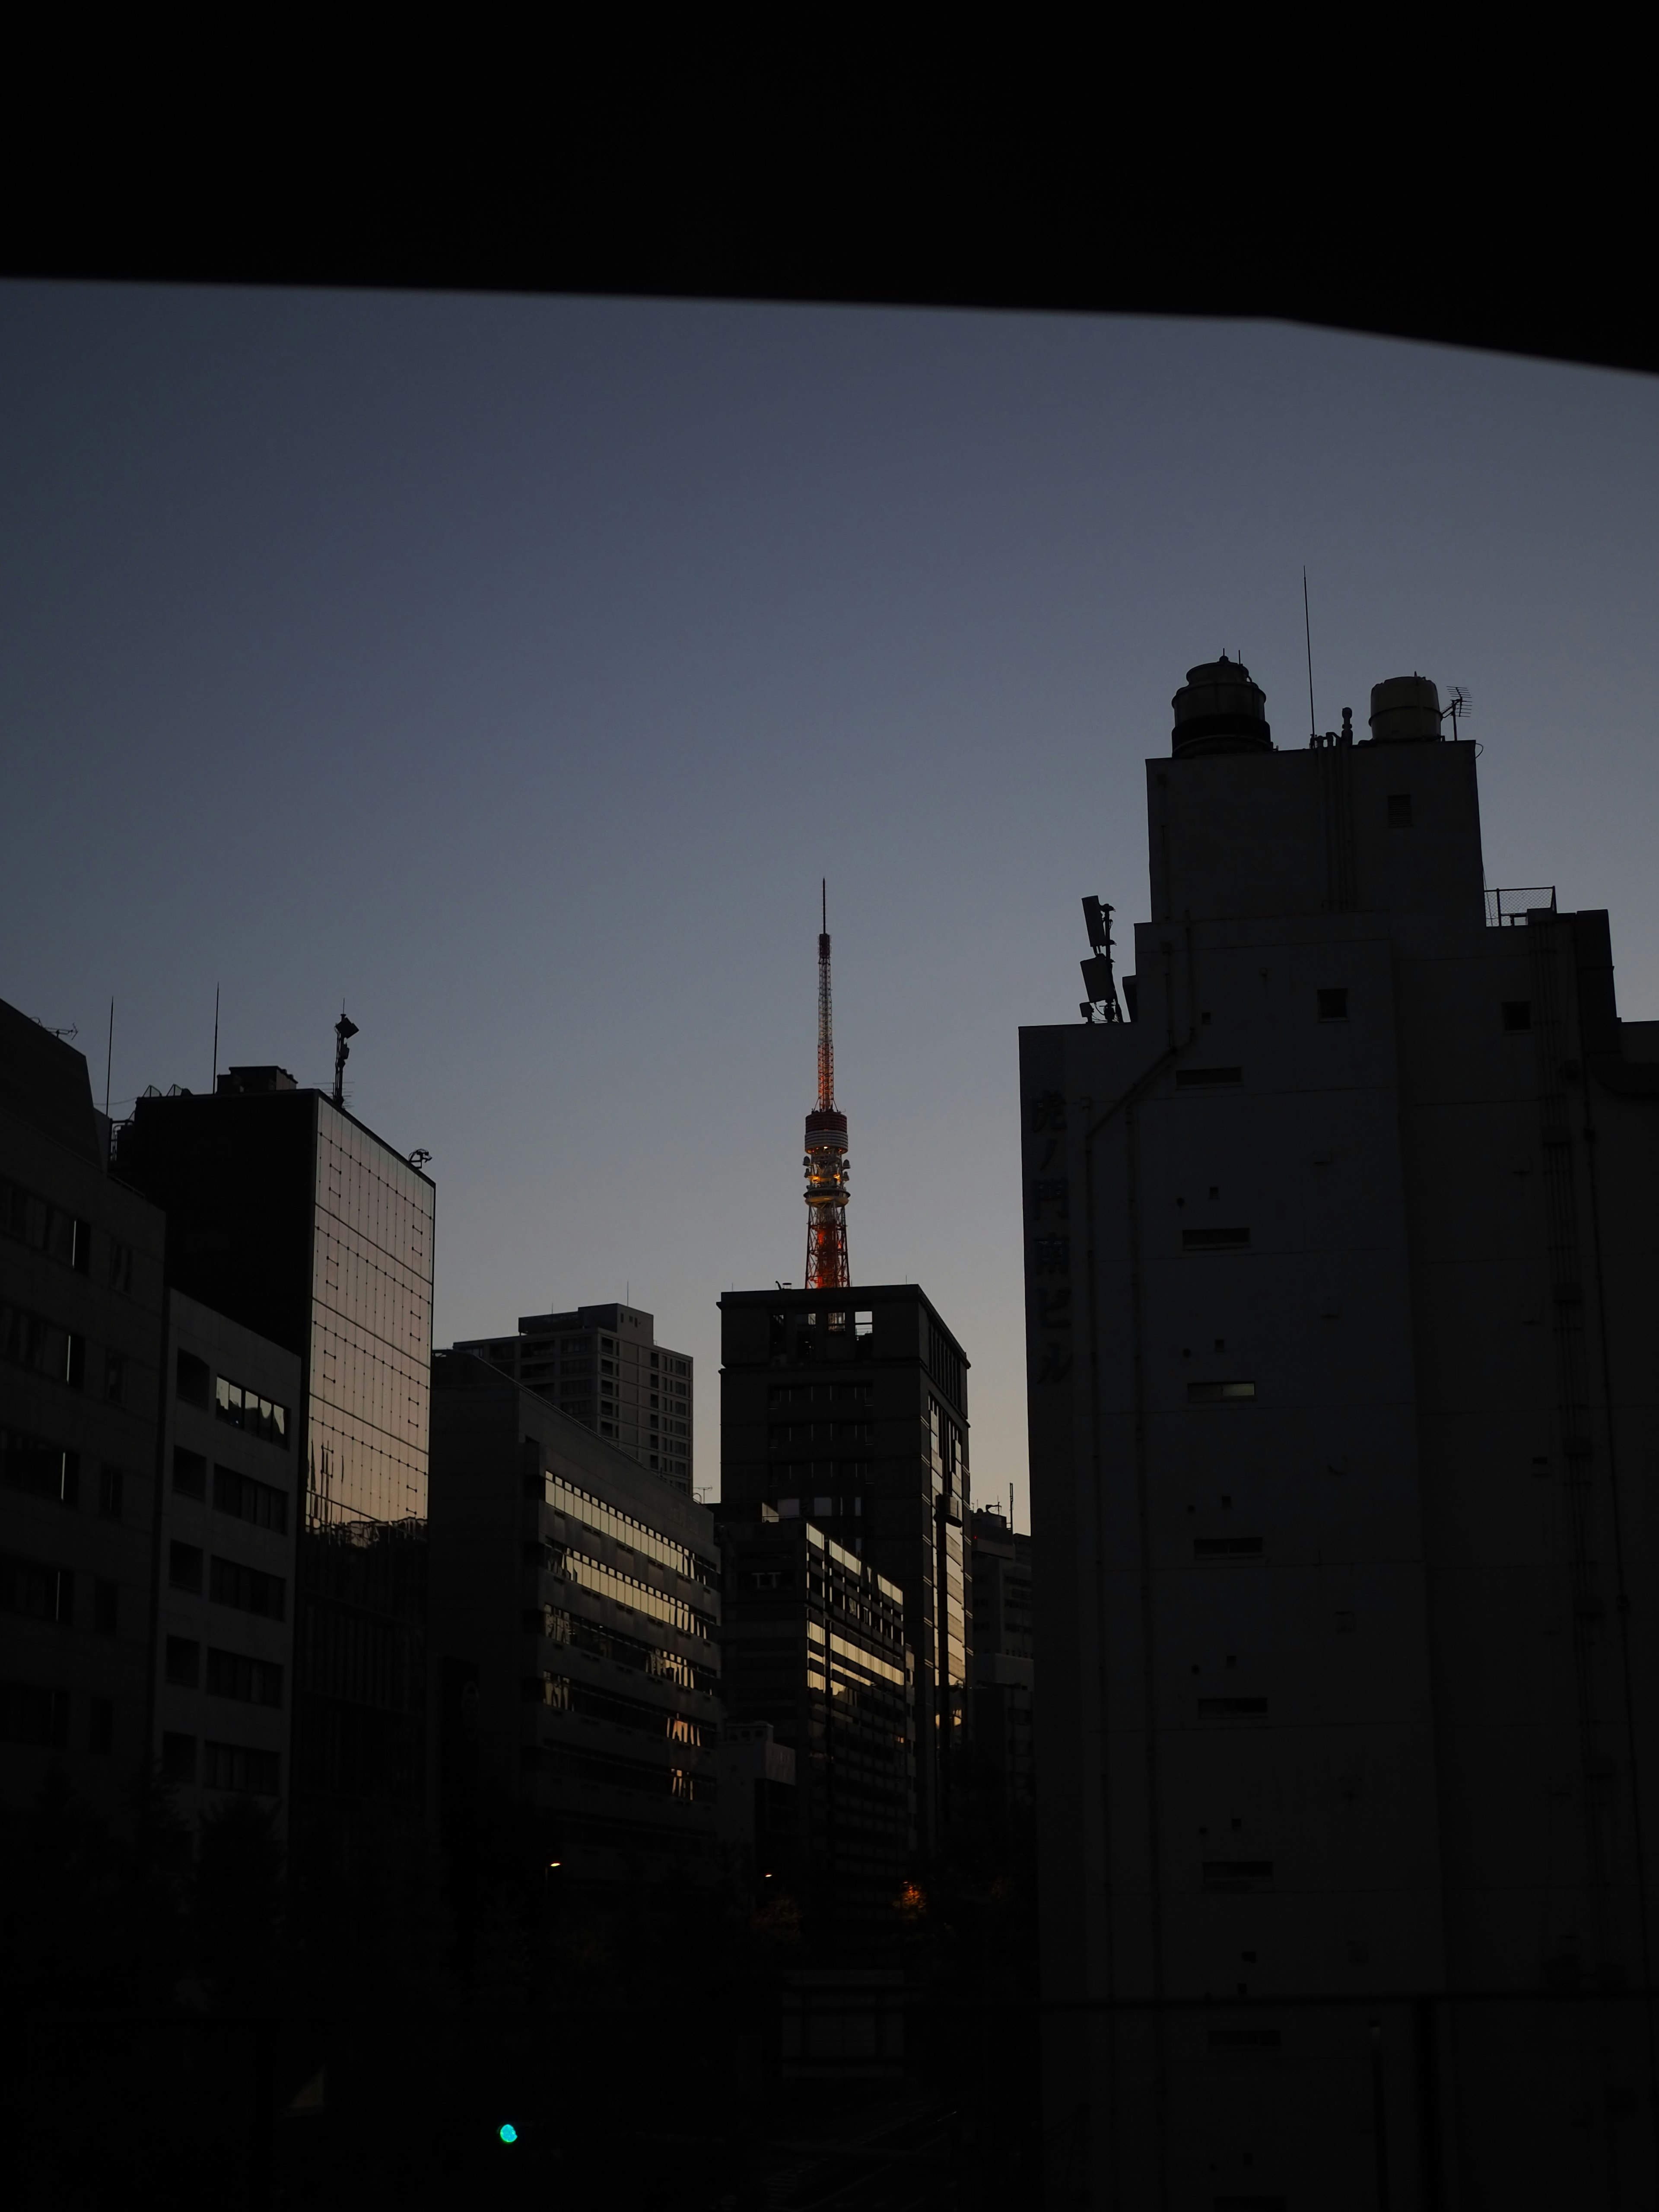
<point>827,1267</point>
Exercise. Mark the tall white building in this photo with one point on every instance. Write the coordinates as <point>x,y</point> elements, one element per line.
<point>1341,1309</point>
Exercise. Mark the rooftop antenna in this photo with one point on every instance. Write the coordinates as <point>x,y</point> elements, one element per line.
<point>214,1085</point>
<point>1098,981</point>
<point>342,1029</point>
<point>109,1057</point>
<point>825,1161</point>
<point>1461,704</point>
<point>1307,627</point>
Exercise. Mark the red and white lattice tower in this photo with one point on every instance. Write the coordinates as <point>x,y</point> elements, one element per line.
<point>826,1150</point>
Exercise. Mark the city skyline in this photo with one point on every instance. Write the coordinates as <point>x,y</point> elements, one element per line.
<point>490,663</point>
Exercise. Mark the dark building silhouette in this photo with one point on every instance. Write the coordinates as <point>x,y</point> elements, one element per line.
<point>576,1620</point>
<point>849,1408</point>
<point>1340,1309</point>
<point>813,1644</point>
<point>81,1350</point>
<point>760,1808</point>
<point>602,1366</point>
<point>288,1217</point>
<point>1000,1575</point>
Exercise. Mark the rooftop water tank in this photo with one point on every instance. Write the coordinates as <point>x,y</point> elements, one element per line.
<point>1405,710</point>
<point>1218,710</point>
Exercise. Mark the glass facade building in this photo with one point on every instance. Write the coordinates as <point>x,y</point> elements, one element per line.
<point>290,1217</point>
<point>370,1330</point>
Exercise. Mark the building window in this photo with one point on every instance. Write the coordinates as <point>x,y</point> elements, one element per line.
<point>106,1605</point>
<point>185,1566</point>
<point>37,1591</point>
<point>1215,1240</point>
<point>257,1502</point>
<point>1518,1013</point>
<point>253,1682</point>
<point>100,1725</point>
<point>115,1377</point>
<point>179,1757</point>
<point>1212,1393</point>
<point>43,1469</point>
<point>1399,809</point>
<point>246,1588</point>
<point>44,1227</point>
<point>120,1267</point>
<point>29,1340</point>
<point>184,1662</point>
<point>1334,1004</point>
<point>32,1715</point>
<point>192,1379</point>
<point>788,1509</point>
<point>235,1766</point>
<point>111,1483</point>
<point>189,1473</point>
<point>246,1409</point>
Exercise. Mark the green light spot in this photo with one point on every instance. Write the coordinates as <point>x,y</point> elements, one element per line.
<point>507,2132</point>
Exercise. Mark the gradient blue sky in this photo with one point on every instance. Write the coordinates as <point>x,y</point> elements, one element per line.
<point>515,668</point>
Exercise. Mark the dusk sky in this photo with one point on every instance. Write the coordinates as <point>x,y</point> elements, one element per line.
<point>514,669</point>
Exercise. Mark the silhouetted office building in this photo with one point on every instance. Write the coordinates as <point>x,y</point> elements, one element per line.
<point>576,1612</point>
<point>999,1574</point>
<point>849,1408</point>
<point>290,1218</point>
<point>814,1644</point>
<point>602,1366</point>
<point>80,1328</point>
<point>1341,1309</point>
<point>227,1544</point>
<point>760,1806</point>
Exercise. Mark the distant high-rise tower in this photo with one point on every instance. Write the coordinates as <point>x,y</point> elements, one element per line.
<point>825,1162</point>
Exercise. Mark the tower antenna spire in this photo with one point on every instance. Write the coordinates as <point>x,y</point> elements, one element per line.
<point>825,1162</point>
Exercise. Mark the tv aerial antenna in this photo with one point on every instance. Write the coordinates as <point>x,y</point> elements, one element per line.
<point>1098,981</point>
<point>1461,705</point>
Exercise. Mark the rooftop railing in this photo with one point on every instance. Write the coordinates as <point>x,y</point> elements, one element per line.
<point>1510,909</point>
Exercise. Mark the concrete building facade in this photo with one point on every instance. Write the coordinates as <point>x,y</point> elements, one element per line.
<point>575,1616</point>
<point>226,1553</point>
<point>999,1576</point>
<point>81,1350</point>
<point>602,1366</point>
<point>850,1409</point>
<point>1340,1309</point>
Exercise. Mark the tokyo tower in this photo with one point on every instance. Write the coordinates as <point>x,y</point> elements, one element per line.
<point>826,1149</point>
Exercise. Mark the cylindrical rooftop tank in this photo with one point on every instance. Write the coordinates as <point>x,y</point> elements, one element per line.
<point>1405,710</point>
<point>1218,710</point>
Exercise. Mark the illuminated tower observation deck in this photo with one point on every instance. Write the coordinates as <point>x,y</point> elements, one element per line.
<point>825,1162</point>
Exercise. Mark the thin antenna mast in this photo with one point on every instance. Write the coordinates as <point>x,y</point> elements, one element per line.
<point>109,1057</point>
<point>1306,626</point>
<point>214,1085</point>
<point>825,1162</point>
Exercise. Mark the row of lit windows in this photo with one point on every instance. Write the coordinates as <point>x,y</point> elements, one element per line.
<point>609,1521</point>
<point>571,1566</point>
<point>657,1663</point>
